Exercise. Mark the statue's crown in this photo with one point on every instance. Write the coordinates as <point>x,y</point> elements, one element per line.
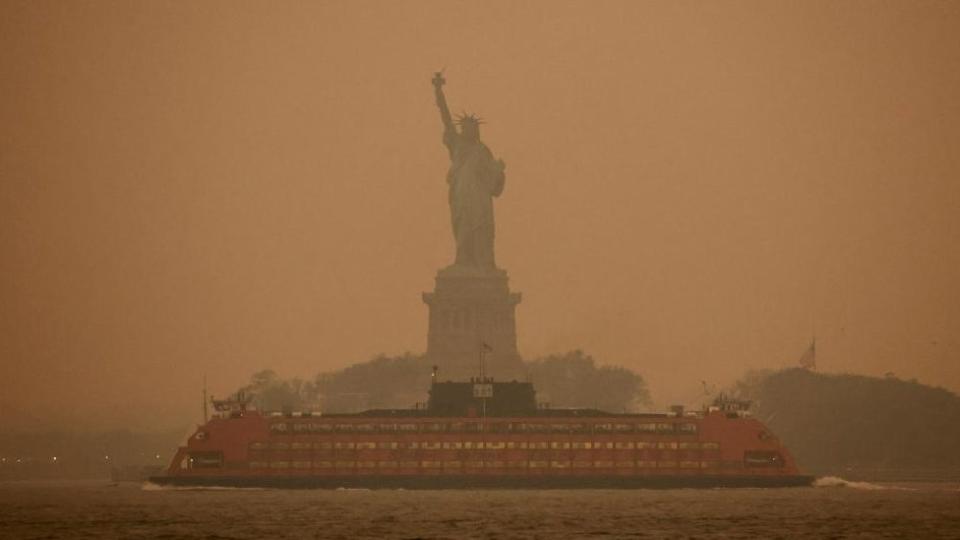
<point>471,119</point>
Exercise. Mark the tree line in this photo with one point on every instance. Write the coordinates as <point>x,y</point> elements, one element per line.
<point>572,379</point>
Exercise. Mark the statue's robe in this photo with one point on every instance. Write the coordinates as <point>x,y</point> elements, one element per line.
<point>474,179</point>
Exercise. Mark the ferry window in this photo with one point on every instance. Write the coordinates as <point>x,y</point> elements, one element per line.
<point>578,428</point>
<point>664,428</point>
<point>603,427</point>
<point>366,428</point>
<point>407,427</point>
<point>689,446</point>
<point>646,445</point>
<point>388,427</point>
<point>762,458</point>
<point>646,428</point>
<point>345,428</point>
<point>456,426</point>
<point>433,427</point>
<point>384,445</point>
<point>556,445</point>
<point>366,445</point>
<point>206,460</point>
<point>299,427</point>
<point>560,428</point>
<point>668,445</point>
<point>278,427</point>
<point>341,445</point>
<point>710,446</point>
<point>258,445</point>
<point>325,445</point>
<point>623,427</point>
<point>621,445</point>
<point>580,445</point>
<point>688,428</point>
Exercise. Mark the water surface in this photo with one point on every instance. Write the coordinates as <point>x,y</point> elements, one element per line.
<point>833,509</point>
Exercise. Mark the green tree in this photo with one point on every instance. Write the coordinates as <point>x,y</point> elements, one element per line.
<point>271,393</point>
<point>383,382</point>
<point>574,379</point>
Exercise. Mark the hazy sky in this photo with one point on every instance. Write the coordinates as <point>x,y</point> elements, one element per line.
<point>693,189</point>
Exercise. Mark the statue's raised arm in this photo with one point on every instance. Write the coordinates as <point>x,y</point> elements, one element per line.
<point>438,82</point>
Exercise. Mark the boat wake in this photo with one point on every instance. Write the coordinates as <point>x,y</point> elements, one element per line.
<point>837,482</point>
<point>150,486</point>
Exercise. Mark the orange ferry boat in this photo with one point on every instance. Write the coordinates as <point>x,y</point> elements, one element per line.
<point>483,434</point>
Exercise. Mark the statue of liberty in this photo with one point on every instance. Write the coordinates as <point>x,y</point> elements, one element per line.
<point>474,178</point>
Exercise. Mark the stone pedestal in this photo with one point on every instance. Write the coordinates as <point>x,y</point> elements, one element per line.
<point>470,307</point>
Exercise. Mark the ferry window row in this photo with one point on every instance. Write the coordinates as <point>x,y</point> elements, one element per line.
<point>496,464</point>
<point>490,445</point>
<point>492,427</point>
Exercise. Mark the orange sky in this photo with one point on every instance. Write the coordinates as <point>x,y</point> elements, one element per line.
<point>693,189</point>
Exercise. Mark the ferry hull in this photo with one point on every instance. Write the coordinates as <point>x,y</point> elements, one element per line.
<point>447,446</point>
<point>488,482</point>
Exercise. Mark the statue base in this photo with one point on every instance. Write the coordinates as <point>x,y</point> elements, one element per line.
<point>472,313</point>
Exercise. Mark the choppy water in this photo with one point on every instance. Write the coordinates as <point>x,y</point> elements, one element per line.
<point>833,509</point>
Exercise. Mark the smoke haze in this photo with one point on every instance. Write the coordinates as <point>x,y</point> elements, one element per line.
<point>693,190</point>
